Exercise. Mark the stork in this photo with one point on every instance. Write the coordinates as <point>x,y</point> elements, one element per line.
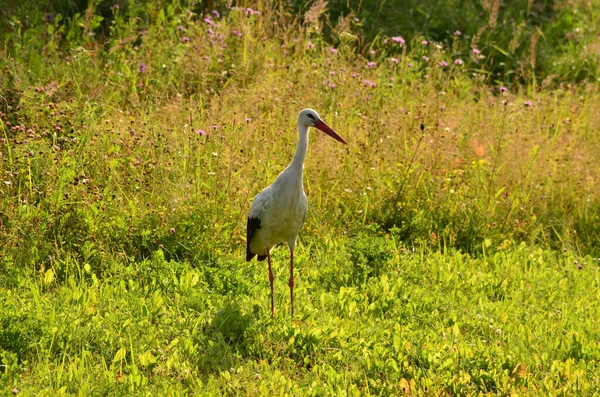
<point>279,211</point>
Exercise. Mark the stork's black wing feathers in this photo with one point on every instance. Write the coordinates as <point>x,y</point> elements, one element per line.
<point>253,226</point>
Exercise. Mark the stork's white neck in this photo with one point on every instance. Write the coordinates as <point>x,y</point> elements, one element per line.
<point>298,162</point>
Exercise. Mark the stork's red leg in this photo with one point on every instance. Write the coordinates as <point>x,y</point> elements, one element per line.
<point>292,279</point>
<point>271,278</point>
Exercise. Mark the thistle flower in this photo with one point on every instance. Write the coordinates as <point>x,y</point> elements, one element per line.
<point>142,67</point>
<point>425,58</point>
<point>399,40</point>
<point>476,51</point>
<point>394,60</point>
<point>458,61</point>
<point>528,103</point>
<point>424,42</point>
<point>185,39</point>
<point>371,65</point>
<point>333,51</point>
<point>201,132</point>
<point>457,33</point>
<point>216,14</point>
<point>503,89</point>
<point>443,64</point>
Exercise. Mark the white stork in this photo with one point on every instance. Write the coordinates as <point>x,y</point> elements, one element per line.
<point>278,212</point>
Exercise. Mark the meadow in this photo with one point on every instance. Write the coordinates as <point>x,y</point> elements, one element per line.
<point>451,248</point>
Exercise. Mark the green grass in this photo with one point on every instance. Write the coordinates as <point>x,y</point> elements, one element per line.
<point>450,249</point>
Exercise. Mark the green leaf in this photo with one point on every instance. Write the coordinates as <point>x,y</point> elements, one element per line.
<point>120,355</point>
<point>49,276</point>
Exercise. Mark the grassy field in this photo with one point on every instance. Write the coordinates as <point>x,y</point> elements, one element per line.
<point>452,248</point>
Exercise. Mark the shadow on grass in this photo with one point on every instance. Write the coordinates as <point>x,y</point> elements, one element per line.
<point>225,340</point>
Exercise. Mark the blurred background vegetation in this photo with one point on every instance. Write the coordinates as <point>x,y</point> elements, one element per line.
<point>522,41</point>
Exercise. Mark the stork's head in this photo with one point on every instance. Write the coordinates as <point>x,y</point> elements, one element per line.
<point>310,118</point>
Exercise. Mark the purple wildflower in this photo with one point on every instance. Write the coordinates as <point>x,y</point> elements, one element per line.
<point>356,20</point>
<point>142,67</point>
<point>410,65</point>
<point>330,85</point>
<point>216,14</point>
<point>185,39</point>
<point>399,40</point>
<point>425,58</point>
<point>201,132</point>
<point>355,75</point>
<point>503,89</point>
<point>248,119</point>
<point>371,65</point>
<point>237,33</point>
<point>332,73</point>
<point>333,50</point>
<point>476,51</point>
<point>215,127</point>
<point>443,64</point>
<point>424,42</point>
<point>457,33</point>
<point>394,60</point>
<point>372,52</point>
<point>458,61</point>
<point>369,83</point>
<point>528,103</point>
<point>209,21</point>
<point>310,45</point>
<point>180,28</point>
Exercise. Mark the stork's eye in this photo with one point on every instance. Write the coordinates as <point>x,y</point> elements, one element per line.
<point>310,116</point>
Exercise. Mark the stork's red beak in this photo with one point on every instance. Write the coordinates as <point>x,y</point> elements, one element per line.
<point>319,124</point>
